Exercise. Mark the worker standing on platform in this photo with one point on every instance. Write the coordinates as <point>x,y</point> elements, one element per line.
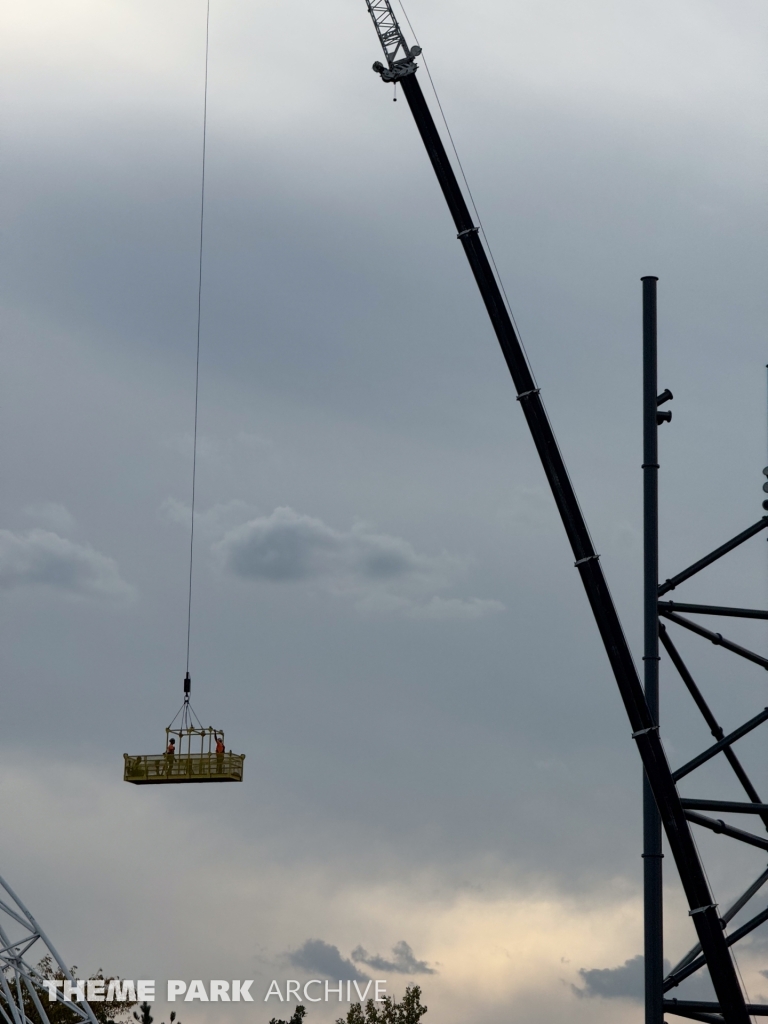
<point>170,754</point>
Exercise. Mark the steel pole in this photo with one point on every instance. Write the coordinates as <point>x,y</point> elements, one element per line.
<point>652,852</point>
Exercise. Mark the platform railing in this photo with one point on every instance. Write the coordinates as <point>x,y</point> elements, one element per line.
<point>159,768</point>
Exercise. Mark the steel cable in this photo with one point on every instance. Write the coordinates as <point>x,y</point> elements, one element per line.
<point>199,312</point>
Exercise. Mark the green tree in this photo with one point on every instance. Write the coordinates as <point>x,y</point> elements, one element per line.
<point>59,1012</point>
<point>145,1017</point>
<point>408,1011</point>
<point>298,1015</point>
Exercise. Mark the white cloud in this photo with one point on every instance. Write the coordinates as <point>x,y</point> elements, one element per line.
<point>381,573</point>
<point>52,515</point>
<point>43,558</point>
<point>176,511</point>
<point>214,520</point>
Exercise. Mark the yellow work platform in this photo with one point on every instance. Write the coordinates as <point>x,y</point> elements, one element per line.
<point>149,769</point>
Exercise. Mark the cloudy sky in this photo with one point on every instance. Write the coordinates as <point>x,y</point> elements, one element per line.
<point>440,785</point>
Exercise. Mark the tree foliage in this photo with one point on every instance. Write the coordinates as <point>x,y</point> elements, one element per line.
<point>408,1011</point>
<point>59,1012</point>
<point>144,1016</point>
<point>387,1011</point>
<point>298,1015</point>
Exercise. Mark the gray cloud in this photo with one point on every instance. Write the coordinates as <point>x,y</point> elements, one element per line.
<point>625,982</point>
<point>628,982</point>
<point>320,957</point>
<point>286,546</point>
<point>380,572</point>
<point>403,961</point>
<point>42,558</point>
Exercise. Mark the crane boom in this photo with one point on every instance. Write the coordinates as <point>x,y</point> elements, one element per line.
<point>391,37</point>
<point>645,731</point>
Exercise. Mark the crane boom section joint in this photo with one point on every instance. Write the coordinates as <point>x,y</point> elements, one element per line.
<point>392,43</point>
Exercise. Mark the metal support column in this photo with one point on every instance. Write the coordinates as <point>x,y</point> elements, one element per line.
<point>652,853</point>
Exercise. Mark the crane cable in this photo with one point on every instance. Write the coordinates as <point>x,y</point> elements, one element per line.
<point>499,278</point>
<point>199,311</point>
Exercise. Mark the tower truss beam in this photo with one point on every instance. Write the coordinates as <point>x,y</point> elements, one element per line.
<point>726,741</point>
<point>713,556</point>
<point>714,638</point>
<point>711,609</point>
